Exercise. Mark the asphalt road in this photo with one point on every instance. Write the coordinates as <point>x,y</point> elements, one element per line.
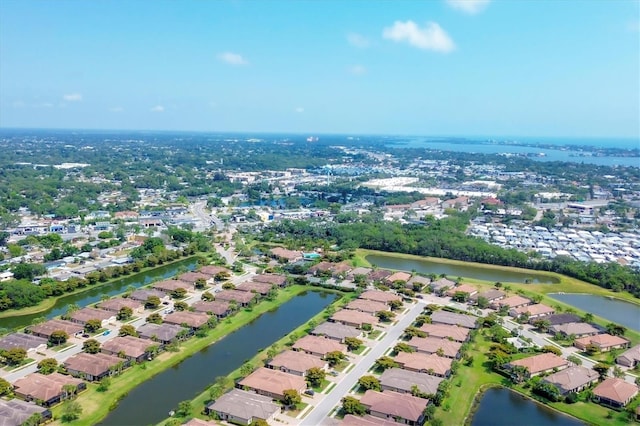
<point>320,412</point>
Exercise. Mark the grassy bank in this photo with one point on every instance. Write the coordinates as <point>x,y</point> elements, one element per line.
<point>96,405</point>
<point>199,402</point>
<point>469,383</point>
<point>49,302</point>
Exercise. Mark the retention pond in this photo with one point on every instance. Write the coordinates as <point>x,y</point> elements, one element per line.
<point>150,402</point>
<point>618,311</point>
<point>458,270</point>
<point>502,407</point>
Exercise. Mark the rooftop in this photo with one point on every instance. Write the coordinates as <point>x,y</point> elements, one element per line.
<point>395,404</point>
<point>245,405</point>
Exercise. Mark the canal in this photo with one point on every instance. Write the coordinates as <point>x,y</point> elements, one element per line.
<point>502,407</point>
<point>618,311</point>
<point>453,271</point>
<point>150,402</point>
<point>95,294</point>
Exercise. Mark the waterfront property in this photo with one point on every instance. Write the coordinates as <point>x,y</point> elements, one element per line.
<point>244,408</point>
<point>16,412</point>
<point>275,279</point>
<point>295,362</point>
<point>491,295</point>
<point>380,296</point>
<point>404,381</point>
<point>92,367</point>
<point>604,342</point>
<point>400,407</point>
<point>255,287</point>
<point>46,390</point>
<point>143,294</point>
<point>440,286</point>
<point>353,318</point>
<point>577,329</point>
<point>367,306</point>
<point>47,328</point>
<point>193,320</point>
<point>531,311</point>
<point>133,348</point>
<point>169,286</point>
<point>117,303</point>
<point>213,271</point>
<point>272,383</point>
<point>336,331</point>
<point>629,358</point>
<point>539,364</point>
<point>615,392</point>
<point>163,333</point>
<point>84,315</point>
<point>318,346</point>
<point>215,307</point>
<point>511,302</point>
<point>28,342</point>
<point>241,298</point>
<point>572,379</point>
<point>464,289</point>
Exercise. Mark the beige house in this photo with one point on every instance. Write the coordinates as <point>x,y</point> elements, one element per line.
<point>272,383</point>
<point>295,362</point>
<point>242,407</point>
<point>390,405</point>
<point>615,392</point>
<point>604,342</point>
<point>539,364</point>
<point>572,379</point>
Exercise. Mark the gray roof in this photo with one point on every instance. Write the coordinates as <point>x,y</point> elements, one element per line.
<point>490,295</point>
<point>245,405</point>
<point>164,332</point>
<point>557,319</point>
<point>452,318</point>
<point>405,380</point>
<point>16,412</point>
<point>336,330</point>
<point>577,328</point>
<point>572,378</point>
<point>21,340</point>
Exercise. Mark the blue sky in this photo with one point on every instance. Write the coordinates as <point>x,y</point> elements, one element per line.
<point>428,67</point>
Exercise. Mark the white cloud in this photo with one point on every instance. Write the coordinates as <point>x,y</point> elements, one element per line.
<point>357,70</point>
<point>469,6</point>
<point>431,37</point>
<point>72,97</point>
<point>157,108</point>
<point>299,110</point>
<point>232,58</point>
<point>116,109</point>
<point>357,40</point>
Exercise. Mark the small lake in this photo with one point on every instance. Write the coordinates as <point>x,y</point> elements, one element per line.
<point>618,311</point>
<point>151,402</point>
<point>453,271</point>
<point>95,294</point>
<point>502,407</point>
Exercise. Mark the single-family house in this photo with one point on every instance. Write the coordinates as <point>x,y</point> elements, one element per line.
<point>241,298</point>
<point>491,295</point>
<point>511,302</point>
<point>432,345</point>
<point>359,271</point>
<point>572,379</point>
<point>452,318</point>
<point>366,420</point>
<point>295,362</point>
<point>143,294</point>
<point>353,318</point>
<point>191,278</point>
<point>274,279</point>
<point>577,329</point>
<point>462,288</point>
<point>214,307</point>
<point>418,282</point>
<point>272,383</point>
<point>539,364</point>
<point>407,409</point>
<point>47,390</point>
<point>92,367</point>
<point>84,315</point>
<point>255,287</point>
<point>213,271</point>
<point>285,255</point>
<point>28,342</point>
<point>604,342</point>
<point>562,318</point>
<point>441,285</point>
<point>531,311</point>
<point>114,305</point>
<point>403,381</point>
<point>444,331</point>
<point>169,286</point>
<point>318,346</point>
<point>422,363</point>
<point>459,203</point>
<point>629,358</point>
<point>615,392</point>
<point>16,412</point>
<point>133,348</point>
<point>241,407</point>
<point>378,275</point>
<point>46,328</point>
<point>397,276</point>
<point>163,333</point>
<point>193,320</point>
<point>336,331</point>
<point>380,296</point>
<point>367,306</point>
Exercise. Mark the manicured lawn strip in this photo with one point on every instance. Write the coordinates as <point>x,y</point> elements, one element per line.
<point>200,401</point>
<point>97,405</point>
<point>49,302</point>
